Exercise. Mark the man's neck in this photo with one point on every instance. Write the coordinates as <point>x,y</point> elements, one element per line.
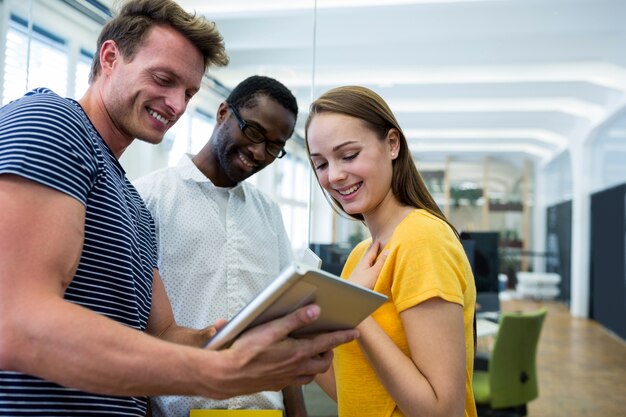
<point>206,164</point>
<point>93,105</point>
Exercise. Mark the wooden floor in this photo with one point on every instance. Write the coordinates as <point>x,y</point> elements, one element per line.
<point>581,366</point>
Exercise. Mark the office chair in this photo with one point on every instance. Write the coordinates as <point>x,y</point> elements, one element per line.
<point>510,379</point>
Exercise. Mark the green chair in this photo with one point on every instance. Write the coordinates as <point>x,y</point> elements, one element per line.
<point>510,379</point>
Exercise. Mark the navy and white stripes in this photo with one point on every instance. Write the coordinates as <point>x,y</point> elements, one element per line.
<point>50,140</point>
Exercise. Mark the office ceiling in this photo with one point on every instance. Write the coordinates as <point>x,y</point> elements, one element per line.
<point>508,79</point>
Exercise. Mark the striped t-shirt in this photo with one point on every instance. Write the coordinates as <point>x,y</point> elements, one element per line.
<point>50,140</point>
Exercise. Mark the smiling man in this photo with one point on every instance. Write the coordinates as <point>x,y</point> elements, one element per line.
<point>220,239</point>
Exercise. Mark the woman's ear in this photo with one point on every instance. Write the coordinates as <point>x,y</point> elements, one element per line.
<point>393,141</point>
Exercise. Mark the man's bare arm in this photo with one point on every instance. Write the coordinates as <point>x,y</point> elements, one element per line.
<point>41,334</point>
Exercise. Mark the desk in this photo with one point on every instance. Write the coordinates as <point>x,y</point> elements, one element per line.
<point>235,413</point>
<point>493,316</point>
<point>486,331</point>
<point>486,328</point>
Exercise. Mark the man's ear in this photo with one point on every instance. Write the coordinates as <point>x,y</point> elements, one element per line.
<point>109,54</point>
<point>222,112</point>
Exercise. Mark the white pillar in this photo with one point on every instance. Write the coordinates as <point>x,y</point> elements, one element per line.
<point>539,217</point>
<point>581,212</point>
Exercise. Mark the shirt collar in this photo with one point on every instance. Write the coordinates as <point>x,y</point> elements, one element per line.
<point>188,171</point>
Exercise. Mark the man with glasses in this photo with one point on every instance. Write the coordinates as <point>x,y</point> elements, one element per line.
<point>220,239</point>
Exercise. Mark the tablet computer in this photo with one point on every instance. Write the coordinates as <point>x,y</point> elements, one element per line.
<point>343,304</point>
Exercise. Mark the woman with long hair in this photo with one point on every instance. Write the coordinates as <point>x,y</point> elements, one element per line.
<point>414,356</point>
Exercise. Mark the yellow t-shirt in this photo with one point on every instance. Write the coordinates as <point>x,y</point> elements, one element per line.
<point>425,260</point>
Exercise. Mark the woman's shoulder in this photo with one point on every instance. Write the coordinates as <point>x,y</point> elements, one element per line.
<point>423,221</point>
<point>422,229</point>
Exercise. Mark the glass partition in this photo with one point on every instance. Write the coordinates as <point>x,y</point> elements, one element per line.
<point>301,44</point>
<point>608,155</point>
<point>251,33</point>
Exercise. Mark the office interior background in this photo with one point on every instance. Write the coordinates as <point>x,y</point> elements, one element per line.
<point>515,112</point>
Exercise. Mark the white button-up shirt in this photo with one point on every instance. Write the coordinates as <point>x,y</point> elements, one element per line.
<point>218,247</point>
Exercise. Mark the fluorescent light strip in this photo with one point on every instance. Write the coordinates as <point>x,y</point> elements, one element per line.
<point>598,73</point>
<point>221,7</point>
<point>455,148</point>
<point>577,108</point>
<point>617,133</point>
<point>540,135</point>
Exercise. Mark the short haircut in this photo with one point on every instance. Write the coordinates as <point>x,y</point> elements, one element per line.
<point>244,95</point>
<point>135,19</point>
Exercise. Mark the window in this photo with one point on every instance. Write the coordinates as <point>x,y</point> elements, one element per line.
<point>293,185</point>
<point>201,129</point>
<point>44,65</point>
<point>188,135</point>
<point>83,67</point>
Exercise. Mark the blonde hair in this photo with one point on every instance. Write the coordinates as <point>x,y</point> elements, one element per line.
<point>135,19</point>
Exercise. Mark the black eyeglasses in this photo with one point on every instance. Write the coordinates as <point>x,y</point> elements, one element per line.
<point>254,135</point>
